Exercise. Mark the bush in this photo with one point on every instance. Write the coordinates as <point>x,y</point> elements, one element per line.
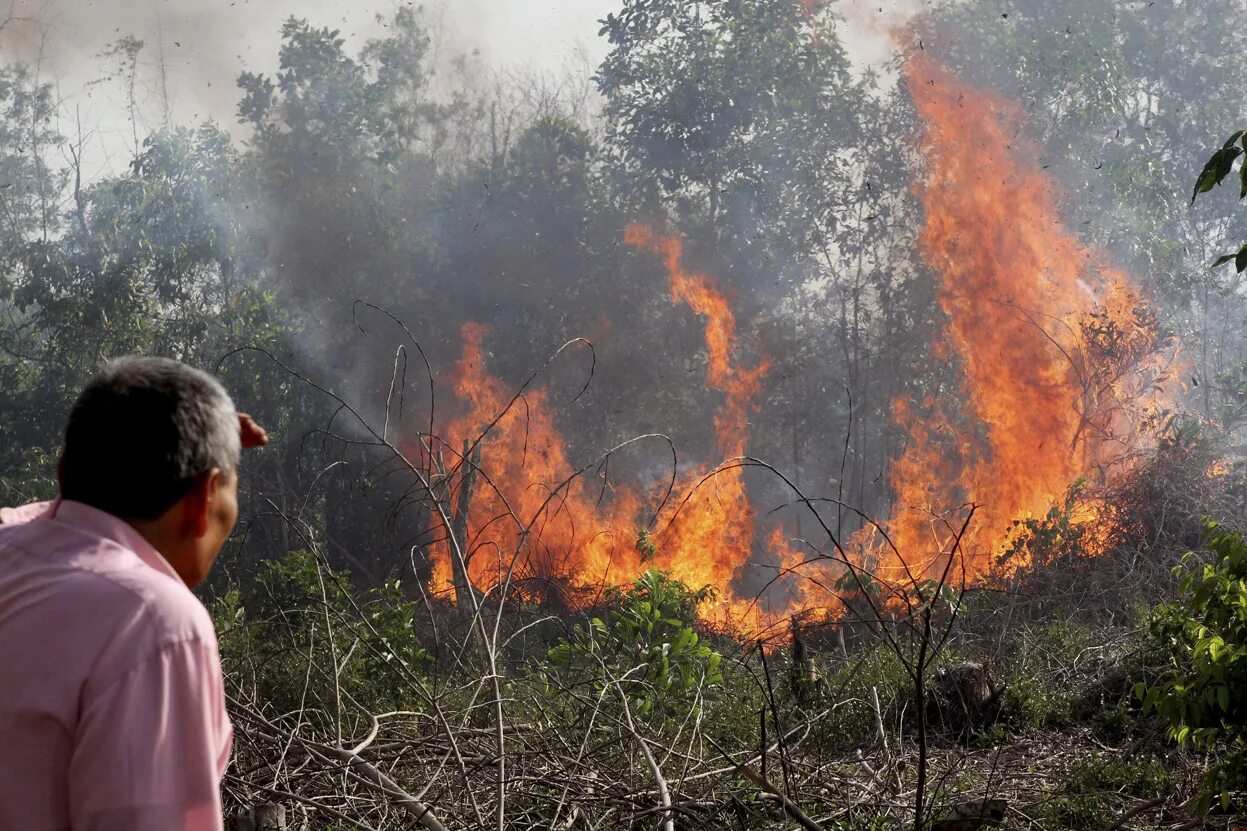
<point>1117,723</point>
<point>299,619</point>
<point>1083,800</point>
<point>1033,701</point>
<point>1202,695</point>
<point>1039,692</point>
<point>646,643</point>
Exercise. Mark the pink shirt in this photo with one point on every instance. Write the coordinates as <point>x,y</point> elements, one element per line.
<point>112,704</point>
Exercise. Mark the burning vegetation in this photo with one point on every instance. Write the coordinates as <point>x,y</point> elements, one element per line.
<point>1059,353</point>
<point>734,434</point>
<point>542,523</point>
<point>1063,374</point>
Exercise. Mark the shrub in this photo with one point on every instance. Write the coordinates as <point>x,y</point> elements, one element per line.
<point>1033,701</point>
<point>1038,691</point>
<point>1082,801</point>
<point>1202,695</point>
<point>646,643</point>
<point>299,619</point>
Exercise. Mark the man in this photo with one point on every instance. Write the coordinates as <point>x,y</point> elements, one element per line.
<point>112,705</point>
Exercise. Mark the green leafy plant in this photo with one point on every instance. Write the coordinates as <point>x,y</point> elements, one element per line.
<point>1202,696</point>
<point>1218,167</point>
<point>299,620</point>
<point>1032,701</point>
<point>1083,798</point>
<point>1058,533</point>
<point>646,643</point>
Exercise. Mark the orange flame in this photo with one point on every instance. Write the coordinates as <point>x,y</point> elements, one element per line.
<point>517,529</point>
<point>1052,345</point>
<point>708,538</point>
<point>1048,340</point>
<point>521,524</point>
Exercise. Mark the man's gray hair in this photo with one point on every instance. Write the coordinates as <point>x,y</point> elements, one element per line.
<point>140,433</point>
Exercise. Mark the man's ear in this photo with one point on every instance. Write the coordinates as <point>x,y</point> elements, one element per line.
<point>197,504</point>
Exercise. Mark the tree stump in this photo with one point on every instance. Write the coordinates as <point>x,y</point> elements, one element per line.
<point>964,698</point>
<point>973,815</point>
<point>264,816</point>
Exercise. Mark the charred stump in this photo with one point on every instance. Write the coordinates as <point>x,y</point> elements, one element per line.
<point>973,815</point>
<point>963,699</point>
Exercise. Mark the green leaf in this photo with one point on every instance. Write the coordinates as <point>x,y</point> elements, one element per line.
<point>1217,168</point>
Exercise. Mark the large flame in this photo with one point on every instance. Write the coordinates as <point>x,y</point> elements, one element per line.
<point>532,521</point>
<point>1048,339</point>
<point>527,520</point>
<point>1052,346</point>
<point>706,539</point>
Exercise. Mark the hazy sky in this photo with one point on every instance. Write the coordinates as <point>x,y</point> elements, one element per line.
<point>206,43</point>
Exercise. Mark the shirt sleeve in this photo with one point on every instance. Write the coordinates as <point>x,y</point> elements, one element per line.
<point>150,748</point>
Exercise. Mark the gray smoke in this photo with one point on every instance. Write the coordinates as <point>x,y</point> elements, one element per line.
<point>193,51</point>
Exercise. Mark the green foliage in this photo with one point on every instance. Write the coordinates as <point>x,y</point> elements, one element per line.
<point>1032,701</point>
<point>1202,696</point>
<point>1231,382</point>
<point>742,116</point>
<point>29,182</point>
<point>154,261</point>
<point>1219,166</point>
<point>1083,800</point>
<point>1038,693</point>
<point>289,629</point>
<point>1079,811</point>
<point>1117,723</point>
<point>323,98</point>
<point>1216,170</point>
<point>1045,539</point>
<point>551,161</point>
<point>646,643</point>
<point>853,686</point>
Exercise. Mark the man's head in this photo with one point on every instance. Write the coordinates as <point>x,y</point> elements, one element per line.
<point>155,442</point>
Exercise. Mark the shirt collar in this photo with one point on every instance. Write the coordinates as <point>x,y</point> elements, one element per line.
<point>100,524</point>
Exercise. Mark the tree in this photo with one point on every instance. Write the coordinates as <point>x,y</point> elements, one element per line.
<point>744,124</point>
<point>744,117</point>
<point>150,262</point>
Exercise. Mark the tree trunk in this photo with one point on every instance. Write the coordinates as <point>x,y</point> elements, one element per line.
<point>464,590</point>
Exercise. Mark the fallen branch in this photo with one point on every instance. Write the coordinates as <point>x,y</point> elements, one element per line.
<point>664,795</point>
<point>1134,812</point>
<point>791,808</point>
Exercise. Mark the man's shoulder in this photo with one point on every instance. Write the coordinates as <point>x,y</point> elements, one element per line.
<point>105,581</point>
<point>96,606</point>
<point>25,513</point>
